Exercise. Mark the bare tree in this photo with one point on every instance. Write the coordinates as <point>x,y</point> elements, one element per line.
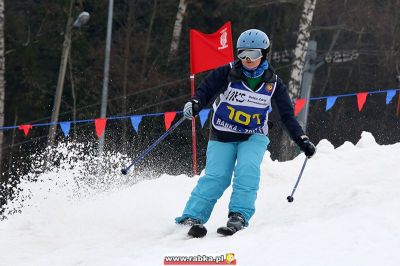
<point>127,58</point>
<point>301,47</point>
<point>288,149</point>
<point>61,77</point>
<point>147,45</point>
<point>73,92</point>
<point>176,34</point>
<point>2,83</point>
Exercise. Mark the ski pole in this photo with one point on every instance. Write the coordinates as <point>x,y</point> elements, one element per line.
<point>290,198</point>
<point>124,171</point>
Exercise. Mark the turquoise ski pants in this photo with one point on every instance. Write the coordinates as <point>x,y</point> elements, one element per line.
<point>220,164</point>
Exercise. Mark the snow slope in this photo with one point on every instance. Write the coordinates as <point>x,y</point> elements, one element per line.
<point>346,212</point>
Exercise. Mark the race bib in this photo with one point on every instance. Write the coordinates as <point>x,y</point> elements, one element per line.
<point>241,110</point>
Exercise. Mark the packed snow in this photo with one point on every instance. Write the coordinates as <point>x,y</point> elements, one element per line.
<point>346,211</point>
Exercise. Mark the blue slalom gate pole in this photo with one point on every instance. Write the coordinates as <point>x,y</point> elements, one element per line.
<point>124,171</point>
<point>290,198</point>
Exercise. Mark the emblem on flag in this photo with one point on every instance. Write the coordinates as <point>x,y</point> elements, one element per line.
<point>223,40</point>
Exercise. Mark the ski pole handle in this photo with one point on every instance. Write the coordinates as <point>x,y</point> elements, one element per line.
<point>124,171</point>
<point>290,198</point>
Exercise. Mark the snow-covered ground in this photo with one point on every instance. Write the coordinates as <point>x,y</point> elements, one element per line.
<point>346,212</point>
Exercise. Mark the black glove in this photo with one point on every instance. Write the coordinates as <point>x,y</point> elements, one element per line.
<point>191,109</point>
<point>306,145</point>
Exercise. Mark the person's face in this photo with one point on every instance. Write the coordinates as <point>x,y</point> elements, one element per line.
<point>251,64</point>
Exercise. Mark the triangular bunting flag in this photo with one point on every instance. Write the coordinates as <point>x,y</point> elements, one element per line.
<point>65,127</point>
<point>100,124</point>
<point>25,128</point>
<point>298,106</point>
<point>389,96</point>
<point>168,118</point>
<point>361,98</point>
<point>135,120</point>
<point>203,116</point>
<point>330,101</point>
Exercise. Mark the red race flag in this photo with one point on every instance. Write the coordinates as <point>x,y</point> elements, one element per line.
<point>25,128</point>
<point>361,98</point>
<point>298,106</point>
<point>209,51</point>
<point>100,124</point>
<point>168,118</point>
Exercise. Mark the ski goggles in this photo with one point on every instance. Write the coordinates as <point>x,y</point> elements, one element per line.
<point>249,54</point>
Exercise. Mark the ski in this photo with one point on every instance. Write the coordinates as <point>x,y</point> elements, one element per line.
<point>226,231</point>
<point>197,231</point>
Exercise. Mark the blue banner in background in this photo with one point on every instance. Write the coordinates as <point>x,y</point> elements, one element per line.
<point>389,96</point>
<point>330,101</point>
<point>66,127</point>
<point>203,116</point>
<point>135,120</point>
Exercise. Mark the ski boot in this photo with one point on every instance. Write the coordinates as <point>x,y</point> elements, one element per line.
<point>235,223</point>
<point>197,229</point>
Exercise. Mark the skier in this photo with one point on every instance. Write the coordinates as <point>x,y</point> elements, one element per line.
<point>239,133</point>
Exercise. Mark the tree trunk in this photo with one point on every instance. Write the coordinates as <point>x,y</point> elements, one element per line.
<point>176,34</point>
<point>11,147</point>
<point>2,83</point>
<point>73,94</point>
<point>288,149</point>
<point>147,47</point>
<point>127,57</point>
<point>333,43</point>
<point>61,77</point>
<point>301,48</point>
<point>340,113</point>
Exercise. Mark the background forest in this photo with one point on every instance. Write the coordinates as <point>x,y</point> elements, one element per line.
<point>146,78</point>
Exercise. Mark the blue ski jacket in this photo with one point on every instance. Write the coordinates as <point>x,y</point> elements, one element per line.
<point>216,83</point>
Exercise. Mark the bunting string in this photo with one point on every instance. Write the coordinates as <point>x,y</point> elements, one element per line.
<point>100,123</point>
<point>331,100</point>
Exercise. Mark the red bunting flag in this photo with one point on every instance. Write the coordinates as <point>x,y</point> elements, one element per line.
<point>208,51</point>
<point>25,128</point>
<point>168,118</point>
<point>298,106</point>
<point>100,124</point>
<point>361,98</point>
